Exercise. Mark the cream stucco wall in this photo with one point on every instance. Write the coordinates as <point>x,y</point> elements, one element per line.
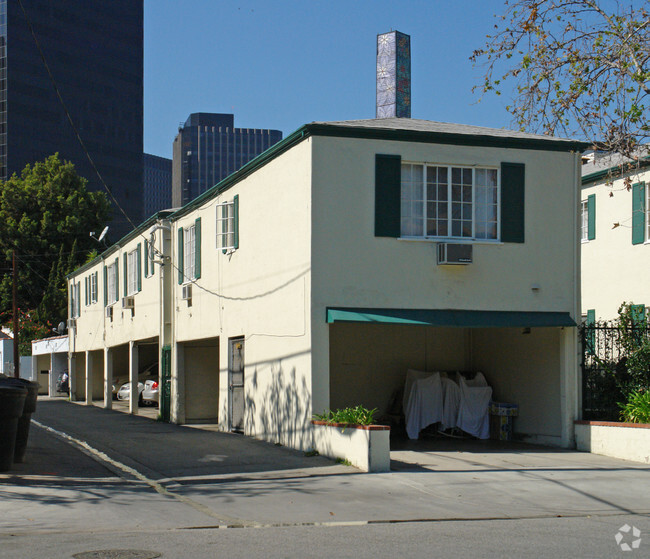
<point>368,362</point>
<point>524,369</point>
<point>613,269</point>
<point>260,292</point>
<point>94,330</point>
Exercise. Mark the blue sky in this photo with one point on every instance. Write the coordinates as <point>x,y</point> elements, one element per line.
<point>282,63</point>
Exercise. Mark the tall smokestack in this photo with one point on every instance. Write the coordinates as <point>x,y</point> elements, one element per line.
<point>393,75</point>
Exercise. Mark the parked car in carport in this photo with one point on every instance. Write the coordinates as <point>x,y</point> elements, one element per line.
<point>147,386</point>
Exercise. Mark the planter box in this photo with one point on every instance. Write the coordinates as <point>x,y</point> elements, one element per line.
<point>365,446</point>
<point>629,441</point>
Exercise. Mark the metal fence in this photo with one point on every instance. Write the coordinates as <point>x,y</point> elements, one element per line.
<point>604,369</point>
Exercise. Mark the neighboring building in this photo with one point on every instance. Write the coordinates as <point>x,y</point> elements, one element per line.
<point>208,148</point>
<point>157,184</point>
<point>49,360</point>
<point>95,53</point>
<point>615,235</point>
<point>6,354</point>
<point>310,280</point>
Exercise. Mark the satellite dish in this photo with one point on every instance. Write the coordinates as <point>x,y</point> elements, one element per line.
<point>61,327</point>
<point>103,233</point>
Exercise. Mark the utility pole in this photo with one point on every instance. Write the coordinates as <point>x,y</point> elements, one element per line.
<point>15,309</point>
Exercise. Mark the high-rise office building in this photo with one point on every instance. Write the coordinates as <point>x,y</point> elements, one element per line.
<point>208,148</point>
<point>94,51</point>
<point>393,75</point>
<point>157,184</point>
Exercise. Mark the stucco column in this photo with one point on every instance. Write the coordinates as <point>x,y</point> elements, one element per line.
<point>133,377</point>
<point>51,388</point>
<point>108,378</point>
<point>89,378</point>
<point>569,384</point>
<point>178,384</point>
<point>72,376</point>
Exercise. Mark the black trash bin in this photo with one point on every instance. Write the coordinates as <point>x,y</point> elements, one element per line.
<point>25,420</point>
<point>12,402</point>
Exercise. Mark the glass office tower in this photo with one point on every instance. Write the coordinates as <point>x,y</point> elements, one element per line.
<point>157,184</point>
<point>208,148</point>
<point>94,50</point>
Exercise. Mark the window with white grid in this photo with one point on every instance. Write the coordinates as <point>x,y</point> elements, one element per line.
<point>94,294</point>
<point>226,226</point>
<point>189,241</point>
<point>111,281</point>
<point>584,220</point>
<point>132,273</point>
<point>449,202</point>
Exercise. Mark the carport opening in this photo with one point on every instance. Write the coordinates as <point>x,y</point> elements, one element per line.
<point>369,365</point>
<point>201,366</point>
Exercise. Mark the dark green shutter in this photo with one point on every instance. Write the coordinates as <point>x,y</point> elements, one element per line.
<point>637,313</point>
<point>146,258</point>
<point>513,188</point>
<point>235,212</point>
<point>591,217</point>
<point>388,176</point>
<point>139,265</point>
<point>72,300</point>
<point>180,256</point>
<point>105,286</point>
<point>86,290</point>
<point>197,248</point>
<point>590,332</point>
<point>125,258</point>
<point>638,213</point>
<point>117,279</point>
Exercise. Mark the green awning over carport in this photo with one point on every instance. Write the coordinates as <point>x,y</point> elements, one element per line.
<point>451,318</point>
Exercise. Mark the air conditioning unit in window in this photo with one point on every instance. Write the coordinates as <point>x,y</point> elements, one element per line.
<point>72,322</point>
<point>128,302</point>
<point>454,253</point>
<point>109,312</point>
<point>187,292</point>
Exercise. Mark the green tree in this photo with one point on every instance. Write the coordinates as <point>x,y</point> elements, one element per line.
<point>46,215</point>
<point>580,68</point>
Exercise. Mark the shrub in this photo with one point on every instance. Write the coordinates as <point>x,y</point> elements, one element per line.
<point>637,407</point>
<point>349,416</point>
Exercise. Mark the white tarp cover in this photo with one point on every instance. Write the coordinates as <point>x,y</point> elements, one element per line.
<point>433,397</point>
<point>424,405</point>
<point>473,415</point>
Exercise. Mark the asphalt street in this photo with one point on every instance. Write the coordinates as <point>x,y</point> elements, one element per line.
<point>104,481</point>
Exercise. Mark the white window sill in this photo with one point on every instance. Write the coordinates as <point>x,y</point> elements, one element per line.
<point>451,240</point>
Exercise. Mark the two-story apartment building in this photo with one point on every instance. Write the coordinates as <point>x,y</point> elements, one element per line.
<point>350,252</point>
<point>615,234</point>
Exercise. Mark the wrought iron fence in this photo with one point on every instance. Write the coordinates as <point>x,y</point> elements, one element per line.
<point>604,367</point>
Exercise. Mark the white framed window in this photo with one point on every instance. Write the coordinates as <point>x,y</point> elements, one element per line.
<point>132,273</point>
<point>445,201</point>
<point>111,283</point>
<point>94,290</point>
<point>647,215</point>
<point>189,251</point>
<point>584,221</point>
<point>228,225</point>
<point>75,300</point>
